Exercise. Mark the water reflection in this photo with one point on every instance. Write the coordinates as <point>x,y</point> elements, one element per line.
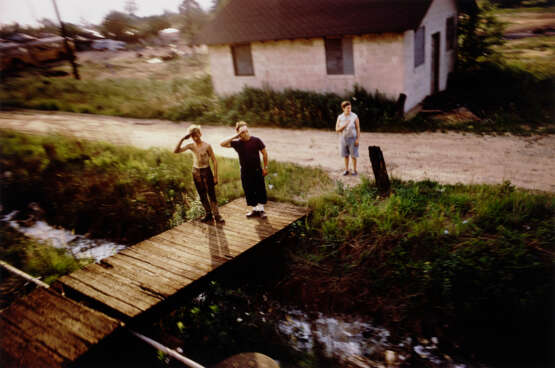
<point>77,245</point>
<point>357,342</point>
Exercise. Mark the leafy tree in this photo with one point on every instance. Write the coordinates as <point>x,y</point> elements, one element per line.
<point>479,31</point>
<point>115,24</point>
<point>193,19</point>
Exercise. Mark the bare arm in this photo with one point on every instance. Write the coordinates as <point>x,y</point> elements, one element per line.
<point>178,148</point>
<point>338,127</point>
<point>227,141</point>
<point>357,124</point>
<point>265,160</point>
<point>214,163</point>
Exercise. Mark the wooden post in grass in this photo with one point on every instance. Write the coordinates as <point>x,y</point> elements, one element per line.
<point>380,171</point>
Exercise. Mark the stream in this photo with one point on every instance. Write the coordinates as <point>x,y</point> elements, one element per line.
<point>79,246</point>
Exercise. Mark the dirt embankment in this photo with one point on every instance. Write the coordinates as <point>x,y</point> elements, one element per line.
<point>528,162</point>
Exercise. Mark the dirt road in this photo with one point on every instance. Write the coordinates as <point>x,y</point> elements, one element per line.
<point>528,162</point>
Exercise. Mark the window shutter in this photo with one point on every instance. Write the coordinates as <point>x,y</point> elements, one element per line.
<point>339,55</point>
<point>334,56</point>
<point>419,46</point>
<point>242,59</point>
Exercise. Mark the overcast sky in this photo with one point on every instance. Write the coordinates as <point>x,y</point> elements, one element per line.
<point>28,12</point>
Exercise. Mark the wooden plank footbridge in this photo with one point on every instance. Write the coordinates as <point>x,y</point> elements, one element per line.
<point>48,329</point>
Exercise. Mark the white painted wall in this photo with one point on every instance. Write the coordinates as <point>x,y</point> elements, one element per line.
<point>418,80</point>
<point>301,64</point>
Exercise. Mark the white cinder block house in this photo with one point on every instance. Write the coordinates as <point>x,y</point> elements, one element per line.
<point>393,46</point>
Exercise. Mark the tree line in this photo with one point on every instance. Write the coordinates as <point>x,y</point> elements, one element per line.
<point>127,26</point>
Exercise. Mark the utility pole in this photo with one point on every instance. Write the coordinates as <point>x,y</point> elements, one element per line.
<point>69,50</point>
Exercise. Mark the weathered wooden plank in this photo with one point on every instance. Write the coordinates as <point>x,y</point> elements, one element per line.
<point>272,209</point>
<point>148,264</point>
<point>88,324</point>
<point>255,229</point>
<point>142,280</point>
<point>272,220</point>
<point>207,251</point>
<point>180,258</point>
<point>183,254</point>
<point>45,329</point>
<point>93,292</point>
<point>237,234</point>
<point>164,284</point>
<point>116,286</point>
<point>164,261</point>
<point>258,229</point>
<point>50,334</point>
<point>220,248</point>
<point>18,349</point>
<point>135,286</point>
<point>221,237</point>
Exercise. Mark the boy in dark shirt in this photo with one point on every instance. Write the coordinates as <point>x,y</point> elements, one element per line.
<point>252,174</point>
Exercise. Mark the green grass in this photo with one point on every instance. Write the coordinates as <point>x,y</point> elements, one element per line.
<point>535,54</point>
<point>140,98</point>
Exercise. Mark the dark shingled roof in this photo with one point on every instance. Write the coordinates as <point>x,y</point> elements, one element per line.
<point>242,21</point>
<point>263,20</point>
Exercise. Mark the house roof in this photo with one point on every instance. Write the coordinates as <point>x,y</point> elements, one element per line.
<point>242,21</point>
<point>263,20</point>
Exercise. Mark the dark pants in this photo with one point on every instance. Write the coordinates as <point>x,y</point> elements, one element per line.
<point>204,182</point>
<point>254,187</point>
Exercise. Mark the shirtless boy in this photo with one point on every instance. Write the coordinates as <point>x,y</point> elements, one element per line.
<point>202,174</point>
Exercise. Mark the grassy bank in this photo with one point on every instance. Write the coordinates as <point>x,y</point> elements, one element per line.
<point>472,263</point>
<point>123,193</point>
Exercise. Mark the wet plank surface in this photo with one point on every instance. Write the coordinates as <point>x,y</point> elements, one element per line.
<point>45,329</point>
<point>141,276</point>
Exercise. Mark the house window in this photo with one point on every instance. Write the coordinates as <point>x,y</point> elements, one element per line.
<point>242,59</point>
<point>450,34</point>
<point>419,46</point>
<point>339,55</point>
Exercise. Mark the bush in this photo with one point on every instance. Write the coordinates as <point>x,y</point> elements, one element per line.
<point>304,109</point>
